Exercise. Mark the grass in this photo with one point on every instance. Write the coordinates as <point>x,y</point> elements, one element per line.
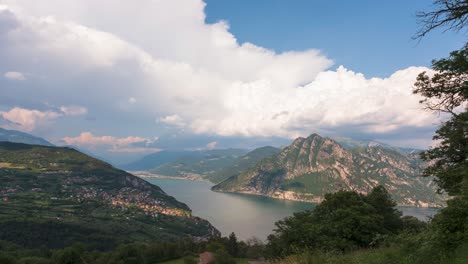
<point>383,255</point>
<point>181,261</point>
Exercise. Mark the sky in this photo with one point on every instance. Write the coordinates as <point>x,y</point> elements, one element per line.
<point>126,78</point>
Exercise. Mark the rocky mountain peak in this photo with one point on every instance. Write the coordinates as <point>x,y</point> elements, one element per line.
<point>313,166</point>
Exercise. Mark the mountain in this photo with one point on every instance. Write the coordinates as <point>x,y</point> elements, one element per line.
<point>155,159</point>
<point>311,167</point>
<point>55,196</point>
<point>199,164</point>
<point>213,165</point>
<point>349,143</point>
<point>243,163</point>
<point>21,137</point>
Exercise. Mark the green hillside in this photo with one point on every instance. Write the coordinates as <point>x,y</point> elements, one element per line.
<point>55,196</point>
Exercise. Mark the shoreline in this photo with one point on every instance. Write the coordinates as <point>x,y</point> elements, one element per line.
<point>149,175</point>
<point>315,201</point>
<point>280,196</point>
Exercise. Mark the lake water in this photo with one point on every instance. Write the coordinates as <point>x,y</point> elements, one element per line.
<point>245,215</point>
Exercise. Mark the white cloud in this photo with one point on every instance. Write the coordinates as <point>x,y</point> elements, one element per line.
<point>73,110</point>
<point>27,120</point>
<point>211,145</point>
<point>114,144</point>
<point>173,62</point>
<point>172,120</point>
<point>333,99</point>
<point>15,76</point>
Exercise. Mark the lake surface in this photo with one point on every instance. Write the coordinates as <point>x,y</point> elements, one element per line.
<point>245,215</point>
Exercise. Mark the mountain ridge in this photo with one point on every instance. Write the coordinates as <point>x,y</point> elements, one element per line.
<point>21,137</point>
<point>313,166</point>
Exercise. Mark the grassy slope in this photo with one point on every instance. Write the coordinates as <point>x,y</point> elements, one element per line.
<point>57,196</point>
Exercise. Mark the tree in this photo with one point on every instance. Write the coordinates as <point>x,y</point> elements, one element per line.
<point>128,254</point>
<point>451,13</point>
<point>382,201</point>
<point>232,247</point>
<point>223,257</point>
<point>69,255</point>
<point>255,248</point>
<point>447,91</point>
<point>344,221</point>
<point>411,224</point>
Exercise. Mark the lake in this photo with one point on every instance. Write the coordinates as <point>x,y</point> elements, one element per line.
<point>245,215</point>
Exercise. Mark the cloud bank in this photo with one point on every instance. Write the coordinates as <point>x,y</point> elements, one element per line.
<point>160,60</point>
<point>113,144</point>
<point>28,120</point>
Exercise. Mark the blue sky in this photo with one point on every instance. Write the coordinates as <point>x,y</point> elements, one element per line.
<point>372,37</point>
<point>126,80</point>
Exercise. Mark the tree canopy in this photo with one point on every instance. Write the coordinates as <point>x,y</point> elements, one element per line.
<point>344,221</point>
<point>452,14</point>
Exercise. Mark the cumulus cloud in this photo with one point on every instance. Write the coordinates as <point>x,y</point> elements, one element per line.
<point>192,74</point>
<point>114,144</point>
<point>27,120</point>
<point>15,76</point>
<point>333,99</point>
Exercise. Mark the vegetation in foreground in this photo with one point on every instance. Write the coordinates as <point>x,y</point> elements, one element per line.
<point>352,228</point>
<point>227,250</point>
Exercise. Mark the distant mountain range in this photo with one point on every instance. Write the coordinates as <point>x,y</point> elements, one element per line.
<point>242,163</point>
<point>153,160</point>
<point>313,166</point>
<point>213,165</point>
<point>349,143</point>
<point>21,137</point>
<point>55,196</point>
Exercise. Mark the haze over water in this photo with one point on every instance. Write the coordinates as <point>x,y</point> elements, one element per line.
<point>245,215</point>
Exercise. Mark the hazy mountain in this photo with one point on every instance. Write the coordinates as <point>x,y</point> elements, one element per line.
<point>155,159</point>
<point>54,196</point>
<point>21,137</point>
<point>199,163</point>
<point>242,163</point>
<point>349,143</point>
<point>313,166</point>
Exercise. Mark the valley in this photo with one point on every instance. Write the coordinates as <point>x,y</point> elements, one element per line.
<point>305,171</point>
